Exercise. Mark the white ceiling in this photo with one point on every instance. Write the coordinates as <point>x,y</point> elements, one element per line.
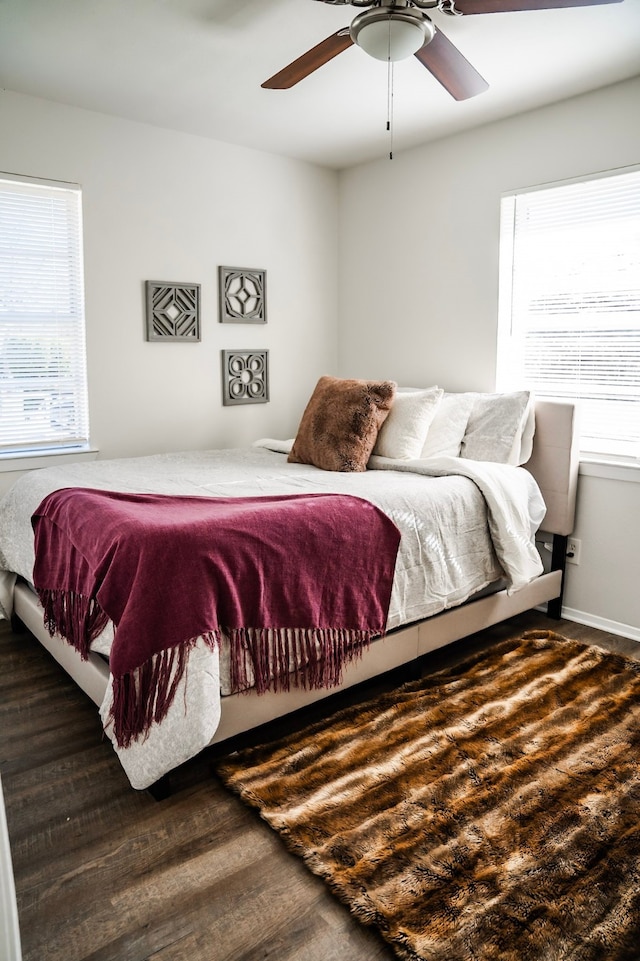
<point>197,66</point>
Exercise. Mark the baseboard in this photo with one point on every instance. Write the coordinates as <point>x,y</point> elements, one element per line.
<point>602,623</point>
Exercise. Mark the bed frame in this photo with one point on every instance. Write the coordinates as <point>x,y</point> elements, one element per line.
<point>554,464</point>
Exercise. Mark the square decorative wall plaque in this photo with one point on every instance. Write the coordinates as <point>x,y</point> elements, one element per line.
<point>242,295</point>
<point>245,377</point>
<point>173,311</point>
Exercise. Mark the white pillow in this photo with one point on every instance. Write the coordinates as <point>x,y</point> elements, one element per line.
<point>404,431</point>
<point>448,426</point>
<point>496,427</point>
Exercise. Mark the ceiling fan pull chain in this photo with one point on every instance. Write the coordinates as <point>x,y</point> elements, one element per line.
<point>390,105</point>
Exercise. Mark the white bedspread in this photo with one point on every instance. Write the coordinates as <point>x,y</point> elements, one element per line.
<point>464,524</point>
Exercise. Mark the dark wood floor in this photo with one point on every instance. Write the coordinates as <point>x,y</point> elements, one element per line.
<point>105,873</point>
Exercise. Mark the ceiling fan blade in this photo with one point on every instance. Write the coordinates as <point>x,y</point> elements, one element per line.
<point>511,6</point>
<point>310,61</point>
<point>451,68</point>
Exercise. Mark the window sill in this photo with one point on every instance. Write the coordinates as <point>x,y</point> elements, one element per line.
<point>611,469</point>
<point>20,462</point>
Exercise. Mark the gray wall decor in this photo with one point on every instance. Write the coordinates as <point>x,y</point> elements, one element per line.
<point>245,377</point>
<point>242,295</point>
<point>173,311</point>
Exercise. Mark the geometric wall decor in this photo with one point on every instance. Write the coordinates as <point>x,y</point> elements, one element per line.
<point>173,311</point>
<point>245,377</point>
<point>242,295</point>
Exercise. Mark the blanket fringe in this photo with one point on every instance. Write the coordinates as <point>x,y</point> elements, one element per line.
<point>265,659</point>
<point>143,697</point>
<point>76,617</point>
<point>310,658</point>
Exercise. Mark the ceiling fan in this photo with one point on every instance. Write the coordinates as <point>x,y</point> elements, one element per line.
<point>394,29</point>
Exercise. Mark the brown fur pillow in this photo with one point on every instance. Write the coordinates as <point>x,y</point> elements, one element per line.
<point>340,424</point>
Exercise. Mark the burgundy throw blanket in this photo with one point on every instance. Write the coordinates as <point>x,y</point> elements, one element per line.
<point>300,583</point>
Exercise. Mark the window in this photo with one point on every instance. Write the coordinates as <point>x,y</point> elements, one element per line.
<point>569,324</point>
<point>43,389</point>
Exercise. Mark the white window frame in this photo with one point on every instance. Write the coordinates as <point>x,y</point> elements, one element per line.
<point>43,369</point>
<point>571,370</point>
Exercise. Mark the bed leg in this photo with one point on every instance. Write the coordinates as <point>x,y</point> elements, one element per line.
<point>558,563</point>
<point>17,625</point>
<point>160,790</point>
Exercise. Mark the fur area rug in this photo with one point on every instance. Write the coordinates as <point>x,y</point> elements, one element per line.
<point>490,811</point>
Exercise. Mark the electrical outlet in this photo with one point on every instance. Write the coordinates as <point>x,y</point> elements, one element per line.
<point>574,548</point>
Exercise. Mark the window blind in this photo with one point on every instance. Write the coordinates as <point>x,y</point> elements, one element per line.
<point>569,323</point>
<point>43,389</point>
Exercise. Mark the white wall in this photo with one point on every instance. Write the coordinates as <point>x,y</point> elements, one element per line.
<point>160,205</point>
<point>419,286</point>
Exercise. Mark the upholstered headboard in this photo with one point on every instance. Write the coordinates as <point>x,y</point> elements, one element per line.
<point>554,462</point>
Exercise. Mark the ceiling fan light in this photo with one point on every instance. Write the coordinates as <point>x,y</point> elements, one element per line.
<point>390,36</point>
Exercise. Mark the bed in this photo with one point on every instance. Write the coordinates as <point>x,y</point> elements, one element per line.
<point>494,515</point>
